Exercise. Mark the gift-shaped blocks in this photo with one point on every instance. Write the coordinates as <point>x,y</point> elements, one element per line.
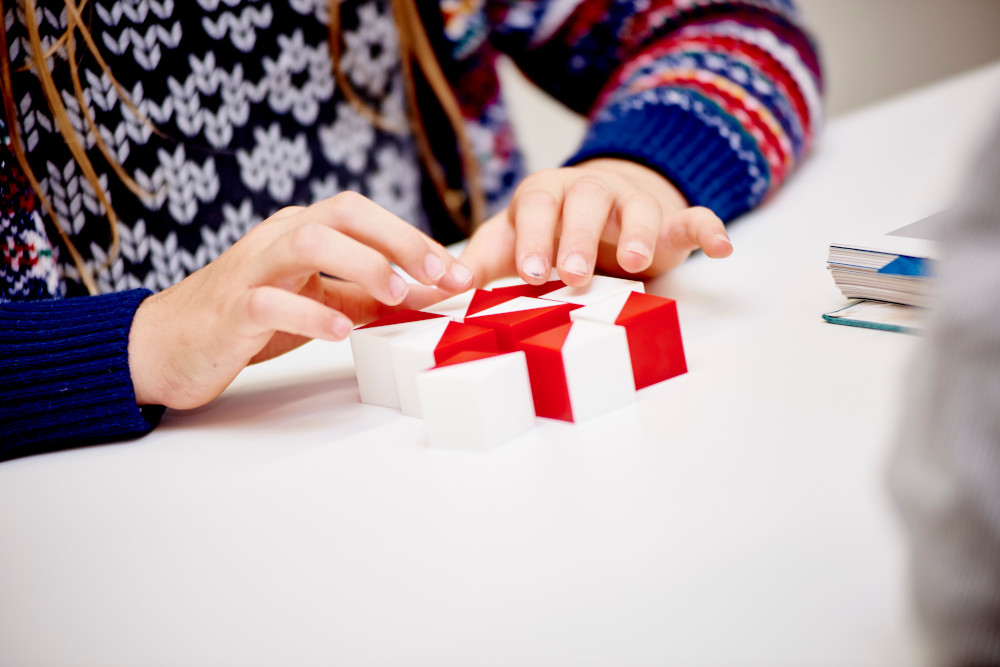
<point>476,400</point>
<point>429,345</point>
<point>520,318</point>
<point>579,370</point>
<point>653,330</point>
<point>373,359</point>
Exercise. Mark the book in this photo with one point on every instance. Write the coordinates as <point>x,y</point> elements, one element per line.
<point>897,266</point>
<point>879,315</point>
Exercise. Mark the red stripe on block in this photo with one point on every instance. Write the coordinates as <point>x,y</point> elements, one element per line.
<point>654,338</point>
<point>517,325</point>
<point>462,337</point>
<point>547,373</point>
<point>400,317</point>
<point>467,356</point>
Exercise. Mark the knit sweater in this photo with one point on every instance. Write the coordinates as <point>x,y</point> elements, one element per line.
<point>722,98</point>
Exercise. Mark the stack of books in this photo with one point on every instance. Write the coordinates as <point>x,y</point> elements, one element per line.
<point>887,275</point>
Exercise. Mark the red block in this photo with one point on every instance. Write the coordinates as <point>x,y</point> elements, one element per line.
<point>653,330</point>
<point>520,318</point>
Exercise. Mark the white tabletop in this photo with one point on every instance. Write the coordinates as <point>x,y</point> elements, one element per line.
<point>734,516</point>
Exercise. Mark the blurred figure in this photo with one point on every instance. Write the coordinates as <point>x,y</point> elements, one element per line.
<point>945,472</point>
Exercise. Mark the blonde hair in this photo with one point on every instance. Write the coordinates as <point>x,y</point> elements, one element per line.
<point>466,209</point>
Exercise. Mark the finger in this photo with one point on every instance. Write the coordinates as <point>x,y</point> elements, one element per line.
<point>490,251</point>
<point>357,304</point>
<point>268,309</point>
<point>586,209</point>
<point>313,248</point>
<point>701,228</point>
<point>419,255</point>
<point>641,219</point>
<point>534,213</point>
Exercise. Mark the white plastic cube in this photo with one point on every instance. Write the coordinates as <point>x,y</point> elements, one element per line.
<point>477,404</point>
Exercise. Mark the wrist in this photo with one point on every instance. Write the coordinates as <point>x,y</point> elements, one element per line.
<point>142,367</point>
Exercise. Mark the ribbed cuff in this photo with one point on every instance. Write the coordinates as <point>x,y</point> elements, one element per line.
<point>64,374</point>
<point>689,139</point>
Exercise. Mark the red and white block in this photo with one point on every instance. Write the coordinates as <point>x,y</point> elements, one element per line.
<point>419,350</point>
<point>476,400</point>
<point>520,318</point>
<point>598,289</point>
<point>476,301</point>
<point>653,330</point>
<point>370,345</point>
<point>579,370</point>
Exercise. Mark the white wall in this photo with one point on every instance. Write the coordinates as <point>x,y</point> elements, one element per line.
<point>876,48</point>
<point>871,49</point>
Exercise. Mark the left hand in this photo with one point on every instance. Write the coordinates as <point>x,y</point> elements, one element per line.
<point>612,215</point>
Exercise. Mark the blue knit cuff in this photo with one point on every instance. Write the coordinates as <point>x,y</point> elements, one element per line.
<point>688,139</point>
<point>64,374</point>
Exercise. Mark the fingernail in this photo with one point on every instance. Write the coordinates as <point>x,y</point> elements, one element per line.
<point>460,274</point>
<point>397,287</point>
<point>639,248</point>
<point>341,327</point>
<point>576,265</point>
<point>724,239</point>
<point>533,266</point>
<point>433,267</point>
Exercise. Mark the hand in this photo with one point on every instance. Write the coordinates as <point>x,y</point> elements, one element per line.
<point>265,295</point>
<point>614,215</point>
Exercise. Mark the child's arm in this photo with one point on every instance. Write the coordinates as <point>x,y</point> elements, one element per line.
<point>720,99</point>
<point>81,370</point>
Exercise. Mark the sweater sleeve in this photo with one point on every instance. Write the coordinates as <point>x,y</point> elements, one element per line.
<point>64,373</point>
<point>722,98</point>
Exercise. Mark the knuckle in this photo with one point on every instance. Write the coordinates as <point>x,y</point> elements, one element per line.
<point>257,308</point>
<point>305,239</point>
<point>537,199</point>
<point>590,188</point>
<point>346,206</point>
<point>287,211</point>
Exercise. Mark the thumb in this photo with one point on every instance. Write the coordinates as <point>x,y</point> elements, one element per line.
<point>489,254</point>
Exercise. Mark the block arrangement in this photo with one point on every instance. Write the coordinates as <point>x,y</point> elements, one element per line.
<point>479,367</point>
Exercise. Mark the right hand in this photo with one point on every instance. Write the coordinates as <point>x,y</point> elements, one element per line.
<point>265,296</point>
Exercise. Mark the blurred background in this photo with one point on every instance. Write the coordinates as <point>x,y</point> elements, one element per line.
<point>872,49</point>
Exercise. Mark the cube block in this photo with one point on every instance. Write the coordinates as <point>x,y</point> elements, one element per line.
<point>373,359</point>
<point>476,400</point>
<point>419,350</point>
<point>520,318</point>
<point>653,330</point>
<point>599,288</point>
<point>579,370</point>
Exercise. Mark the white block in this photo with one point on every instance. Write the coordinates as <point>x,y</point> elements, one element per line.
<point>417,351</point>
<point>598,369</point>
<point>412,354</point>
<point>373,358</point>
<point>599,288</point>
<point>580,370</point>
<point>454,307</point>
<point>477,404</point>
<point>606,310</point>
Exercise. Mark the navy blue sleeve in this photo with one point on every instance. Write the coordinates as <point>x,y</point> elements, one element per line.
<point>64,374</point>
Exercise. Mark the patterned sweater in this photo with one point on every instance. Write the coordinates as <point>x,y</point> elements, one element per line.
<point>723,98</point>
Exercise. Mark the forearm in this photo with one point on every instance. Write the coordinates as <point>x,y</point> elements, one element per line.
<point>721,98</point>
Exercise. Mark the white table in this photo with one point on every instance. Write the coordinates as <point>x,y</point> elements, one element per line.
<point>734,516</point>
